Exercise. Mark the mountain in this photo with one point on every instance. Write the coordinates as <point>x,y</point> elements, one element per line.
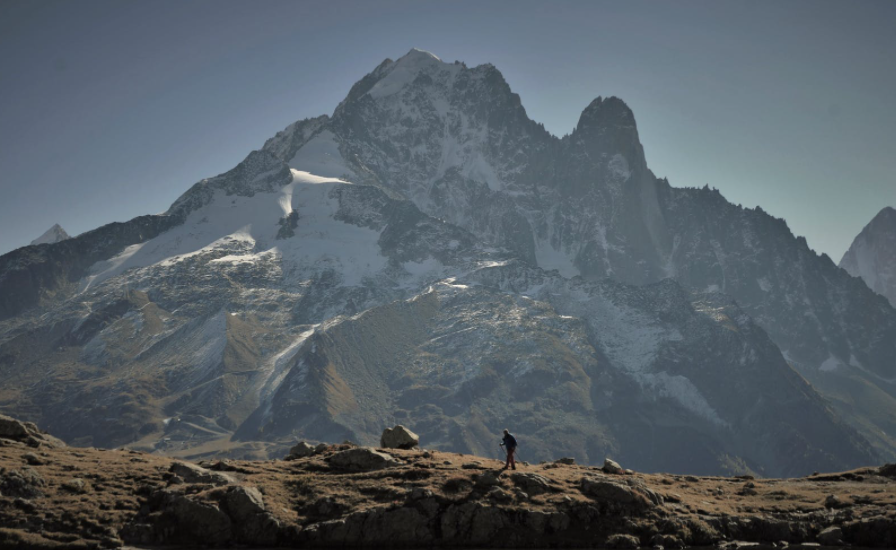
<point>872,255</point>
<point>429,255</point>
<point>458,143</point>
<point>52,235</point>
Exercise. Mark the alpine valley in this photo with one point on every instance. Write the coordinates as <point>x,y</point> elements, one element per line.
<point>430,256</point>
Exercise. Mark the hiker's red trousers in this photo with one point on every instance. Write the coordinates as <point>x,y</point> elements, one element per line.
<point>510,461</point>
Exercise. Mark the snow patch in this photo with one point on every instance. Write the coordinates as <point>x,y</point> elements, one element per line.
<point>405,70</point>
<point>243,230</point>
<point>830,364</point>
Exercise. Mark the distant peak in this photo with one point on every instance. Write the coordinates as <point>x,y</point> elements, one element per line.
<point>52,235</point>
<point>608,108</point>
<point>392,78</point>
<point>604,114</point>
<point>885,220</point>
<point>887,212</point>
<point>417,53</point>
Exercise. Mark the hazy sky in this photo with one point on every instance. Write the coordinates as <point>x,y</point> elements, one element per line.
<point>109,110</point>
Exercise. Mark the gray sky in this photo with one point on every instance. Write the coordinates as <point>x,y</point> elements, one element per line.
<point>109,110</point>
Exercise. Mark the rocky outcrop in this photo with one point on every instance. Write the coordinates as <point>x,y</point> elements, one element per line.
<point>27,433</point>
<point>190,473</point>
<point>88,498</point>
<point>532,484</point>
<point>362,459</point>
<point>399,437</point>
<point>614,496</point>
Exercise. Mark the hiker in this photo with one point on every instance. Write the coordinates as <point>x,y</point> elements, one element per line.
<point>509,444</point>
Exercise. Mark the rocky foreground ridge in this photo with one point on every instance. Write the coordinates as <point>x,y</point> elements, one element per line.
<point>52,496</point>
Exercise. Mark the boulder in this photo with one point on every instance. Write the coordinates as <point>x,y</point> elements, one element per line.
<point>614,495</point>
<point>251,521</point>
<point>10,428</point>
<point>531,484</point>
<point>568,461</point>
<point>26,432</point>
<point>300,450</point>
<point>362,459</point>
<point>399,437</point>
<point>191,473</point>
<point>243,502</point>
<point>612,467</point>
<point>832,536</point>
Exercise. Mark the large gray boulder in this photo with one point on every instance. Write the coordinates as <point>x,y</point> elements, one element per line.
<point>251,520</point>
<point>362,459</point>
<point>399,437</point>
<point>192,473</point>
<point>612,467</point>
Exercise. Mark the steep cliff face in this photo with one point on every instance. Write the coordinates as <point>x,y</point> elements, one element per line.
<point>430,255</point>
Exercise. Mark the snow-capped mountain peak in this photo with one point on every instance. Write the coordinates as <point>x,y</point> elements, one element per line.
<point>52,235</point>
<point>408,68</point>
<point>872,255</point>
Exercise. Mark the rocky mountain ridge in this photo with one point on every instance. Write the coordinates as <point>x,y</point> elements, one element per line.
<point>430,255</point>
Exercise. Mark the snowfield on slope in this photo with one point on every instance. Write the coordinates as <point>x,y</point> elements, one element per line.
<point>244,229</point>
